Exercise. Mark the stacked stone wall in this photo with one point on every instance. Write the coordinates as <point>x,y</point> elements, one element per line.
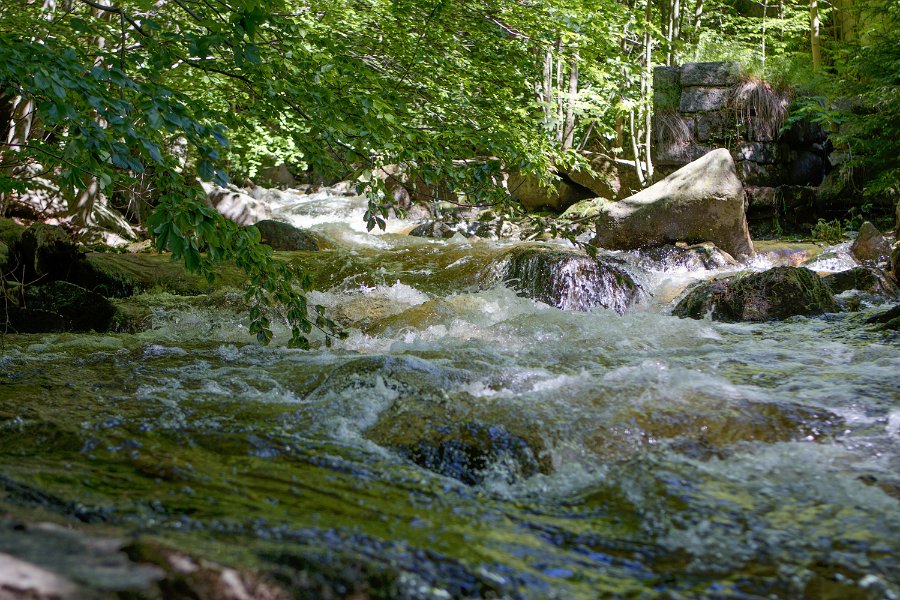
<point>695,112</point>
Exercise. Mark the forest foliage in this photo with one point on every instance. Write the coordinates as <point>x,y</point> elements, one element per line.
<point>136,101</point>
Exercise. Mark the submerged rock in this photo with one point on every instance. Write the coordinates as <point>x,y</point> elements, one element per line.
<point>870,244</point>
<point>888,319</point>
<point>775,294</point>
<point>864,279</point>
<point>469,452</point>
<point>284,236</point>
<point>80,309</point>
<point>701,202</point>
<point>569,279</point>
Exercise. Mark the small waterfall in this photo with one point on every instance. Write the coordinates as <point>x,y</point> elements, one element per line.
<point>568,279</point>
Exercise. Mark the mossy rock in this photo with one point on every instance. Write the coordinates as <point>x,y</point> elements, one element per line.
<point>10,232</point>
<point>772,295</point>
<point>80,309</point>
<point>46,251</point>
<point>286,237</point>
<point>466,451</point>
<point>123,275</point>
<point>864,279</point>
<point>888,319</point>
<point>30,320</point>
<point>4,255</point>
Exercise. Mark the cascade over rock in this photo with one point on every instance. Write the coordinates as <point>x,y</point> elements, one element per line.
<point>569,279</point>
<point>701,202</point>
<point>772,295</point>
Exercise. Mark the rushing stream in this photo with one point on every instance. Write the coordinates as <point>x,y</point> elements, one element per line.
<point>467,442</point>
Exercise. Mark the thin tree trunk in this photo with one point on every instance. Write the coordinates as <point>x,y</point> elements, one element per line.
<point>814,34</point>
<point>638,165</point>
<point>560,118</point>
<point>765,11</point>
<point>696,22</point>
<point>569,128</point>
<point>646,92</point>
<point>81,205</point>
<point>548,91</point>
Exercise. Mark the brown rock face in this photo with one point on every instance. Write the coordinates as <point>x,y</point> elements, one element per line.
<point>701,202</point>
<point>870,244</point>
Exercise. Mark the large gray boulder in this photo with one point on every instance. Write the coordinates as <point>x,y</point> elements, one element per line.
<point>701,202</point>
<point>236,205</point>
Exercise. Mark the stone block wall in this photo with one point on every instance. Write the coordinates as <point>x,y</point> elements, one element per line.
<point>694,113</point>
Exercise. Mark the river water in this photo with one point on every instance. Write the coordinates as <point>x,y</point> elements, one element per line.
<point>467,442</point>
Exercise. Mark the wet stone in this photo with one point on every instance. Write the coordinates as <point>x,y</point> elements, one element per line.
<point>865,279</point>
<point>775,294</point>
<point>568,279</point>
<point>286,237</point>
<point>870,244</point>
<point>467,452</point>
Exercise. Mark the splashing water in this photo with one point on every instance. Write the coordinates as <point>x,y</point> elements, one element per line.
<point>466,441</point>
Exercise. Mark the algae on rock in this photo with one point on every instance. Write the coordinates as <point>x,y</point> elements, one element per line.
<point>775,294</point>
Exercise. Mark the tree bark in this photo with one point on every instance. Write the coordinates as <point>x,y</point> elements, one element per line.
<point>814,34</point>
<point>569,127</point>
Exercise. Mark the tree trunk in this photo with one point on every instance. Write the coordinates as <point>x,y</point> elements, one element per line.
<point>638,165</point>
<point>21,121</point>
<point>548,91</point>
<point>814,34</point>
<point>560,119</point>
<point>569,127</point>
<point>647,93</point>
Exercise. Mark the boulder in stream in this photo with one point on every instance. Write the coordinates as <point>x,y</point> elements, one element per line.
<point>870,244</point>
<point>863,279</point>
<point>468,452</point>
<point>569,279</point>
<point>284,236</point>
<point>80,309</point>
<point>557,196</point>
<point>772,295</point>
<point>701,202</point>
<point>235,204</point>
